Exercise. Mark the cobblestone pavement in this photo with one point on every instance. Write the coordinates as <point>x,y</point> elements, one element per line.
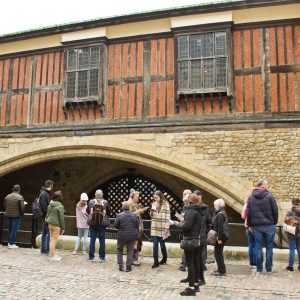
<point>25,274</point>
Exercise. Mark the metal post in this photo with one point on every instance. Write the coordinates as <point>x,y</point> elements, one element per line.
<point>1,226</point>
<point>32,232</point>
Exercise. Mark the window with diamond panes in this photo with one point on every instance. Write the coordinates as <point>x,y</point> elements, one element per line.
<point>117,190</point>
<point>202,62</point>
<point>82,73</point>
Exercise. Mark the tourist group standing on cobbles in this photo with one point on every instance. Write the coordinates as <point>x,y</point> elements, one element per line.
<point>196,221</point>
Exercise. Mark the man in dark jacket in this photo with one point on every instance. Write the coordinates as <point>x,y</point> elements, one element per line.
<point>262,215</point>
<point>128,232</point>
<point>98,230</point>
<point>44,200</point>
<point>14,209</point>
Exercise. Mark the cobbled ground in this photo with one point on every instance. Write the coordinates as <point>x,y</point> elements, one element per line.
<point>25,274</point>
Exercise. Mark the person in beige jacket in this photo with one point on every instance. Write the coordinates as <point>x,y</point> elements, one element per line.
<point>14,209</point>
<point>160,214</point>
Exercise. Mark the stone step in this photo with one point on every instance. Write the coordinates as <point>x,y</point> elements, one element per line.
<point>67,242</point>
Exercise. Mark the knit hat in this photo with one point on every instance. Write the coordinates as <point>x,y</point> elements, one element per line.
<point>84,197</point>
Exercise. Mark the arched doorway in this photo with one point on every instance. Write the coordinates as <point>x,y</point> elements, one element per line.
<point>117,190</point>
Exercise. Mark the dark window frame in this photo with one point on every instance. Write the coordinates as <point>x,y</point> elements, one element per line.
<point>198,30</point>
<point>98,95</point>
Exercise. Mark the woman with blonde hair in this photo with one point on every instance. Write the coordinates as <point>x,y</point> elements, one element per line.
<point>160,214</point>
<point>81,223</point>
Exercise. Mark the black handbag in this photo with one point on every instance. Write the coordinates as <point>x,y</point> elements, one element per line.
<point>189,243</point>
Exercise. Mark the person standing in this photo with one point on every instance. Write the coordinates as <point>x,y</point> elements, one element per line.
<point>203,247</point>
<point>185,199</point>
<point>262,215</point>
<point>81,223</point>
<point>98,229</point>
<point>294,240</point>
<point>251,240</point>
<point>193,227</point>
<point>56,222</point>
<point>160,214</point>
<point>138,211</point>
<point>44,200</point>
<point>128,232</point>
<point>14,209</point>
<point>220,225</point>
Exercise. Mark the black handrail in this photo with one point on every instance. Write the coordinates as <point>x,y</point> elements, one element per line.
<point>31,228</point>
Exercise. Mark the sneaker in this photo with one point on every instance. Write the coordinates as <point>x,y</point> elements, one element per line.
<point>136,263</point>
<point>216,273</point>
<point>188,292</point>
<point>121,267</point>
<point>128,269</point>
<point>102,259</point>
<point>74,252</point>
<point>90,259</point>
<point>84,252</point>
<point>185,280</point>
<point>202,282</point>
<point>291,269</point>
<point>196,288</point>
<point>56,258</point>
<point>14,246</point>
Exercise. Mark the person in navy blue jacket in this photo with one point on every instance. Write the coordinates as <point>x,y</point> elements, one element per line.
<point>128,232</point>
<point>262,215</point>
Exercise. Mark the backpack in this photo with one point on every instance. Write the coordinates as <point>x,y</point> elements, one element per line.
<point>98,215</point>
<point>36,209</point>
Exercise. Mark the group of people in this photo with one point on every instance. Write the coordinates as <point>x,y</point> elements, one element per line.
<point>260,213</point>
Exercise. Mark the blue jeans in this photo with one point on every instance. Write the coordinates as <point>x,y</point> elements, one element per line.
<point>156,240</point>
<point>93,233</point>
<point>45,240</point>
<point>14,225</point>
<point>82,232</point>
<point>264,233</point>
<point>251,248</point>
<point>294,243</point>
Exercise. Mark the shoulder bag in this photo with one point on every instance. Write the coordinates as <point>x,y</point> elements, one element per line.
<point>189,243</point>
<point>290,225</point>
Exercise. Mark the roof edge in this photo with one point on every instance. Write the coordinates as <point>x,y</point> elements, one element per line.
<point>143,16</point>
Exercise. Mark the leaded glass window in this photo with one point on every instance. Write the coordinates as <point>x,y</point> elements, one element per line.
<point>82,73</point>
<point>202,62</point>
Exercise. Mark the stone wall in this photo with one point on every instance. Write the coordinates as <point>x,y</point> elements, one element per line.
<point>225,163</point>
<point>273,154</point>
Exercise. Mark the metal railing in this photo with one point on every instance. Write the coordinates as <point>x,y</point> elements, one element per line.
<point>30,228</point>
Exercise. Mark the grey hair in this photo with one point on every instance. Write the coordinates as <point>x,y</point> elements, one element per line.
<point>262,182</point>
<point>125,205</point>
<point>219,202</point>
<point>99,192</point>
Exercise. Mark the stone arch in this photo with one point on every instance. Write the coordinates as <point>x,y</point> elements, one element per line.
<point>18,156</point>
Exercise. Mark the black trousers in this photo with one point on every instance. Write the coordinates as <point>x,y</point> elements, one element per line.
<point>192,262</point>
<point>204,254</point>
<point>220,258</point>
<point>201,261</point>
